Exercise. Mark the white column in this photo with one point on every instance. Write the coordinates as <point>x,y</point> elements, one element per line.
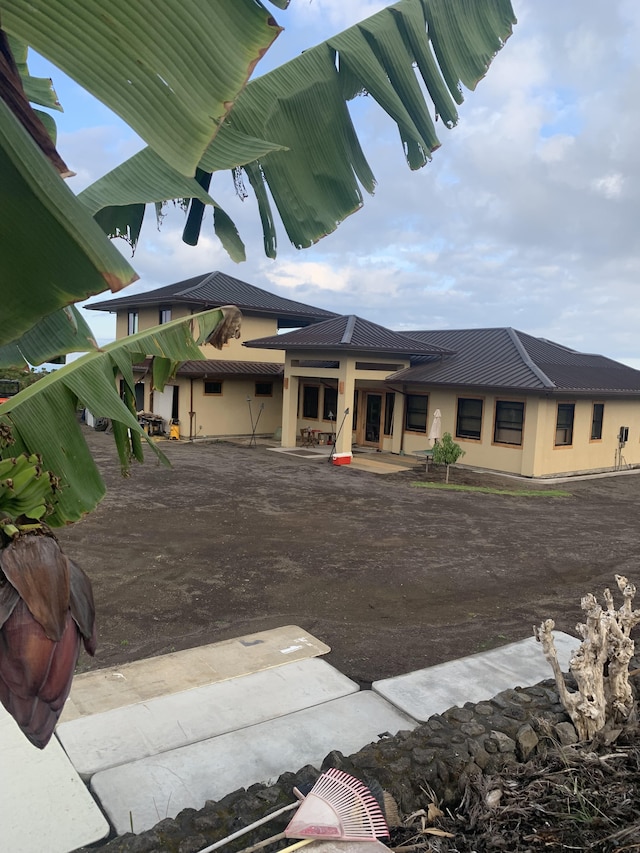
<point>346,388</point>
<point>289,411</point>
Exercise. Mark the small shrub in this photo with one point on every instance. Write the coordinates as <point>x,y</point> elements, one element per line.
<point>447,452</point>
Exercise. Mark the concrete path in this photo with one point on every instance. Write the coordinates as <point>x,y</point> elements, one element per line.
<point>146,791</point>
<point>170,722</point>
<point>472,679</point>
<point>156,736</point>
<point>44,805</point>
<point>116,686</point>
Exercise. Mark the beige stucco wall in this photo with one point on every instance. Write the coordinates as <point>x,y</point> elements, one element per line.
<point>538,456</point>
<point>584,454</point>
<point>228,413</point>
<point>252,327</point>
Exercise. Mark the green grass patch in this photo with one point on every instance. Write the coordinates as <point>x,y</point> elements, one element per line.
<point>488,490</point>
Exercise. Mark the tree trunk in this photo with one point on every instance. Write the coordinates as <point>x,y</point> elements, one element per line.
<point>600,666</point>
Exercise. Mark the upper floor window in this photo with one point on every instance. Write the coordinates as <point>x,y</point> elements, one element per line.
<point>469,418</point>
<point>164,315</point>
<point>597,417</point>
<point>132,322</point>
<point>509,422</point>
<point>564,424</point>
<point>416,413</point>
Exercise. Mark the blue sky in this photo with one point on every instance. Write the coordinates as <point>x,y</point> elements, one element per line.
<point>526,216</point>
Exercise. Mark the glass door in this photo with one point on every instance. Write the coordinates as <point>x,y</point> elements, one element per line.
<point>373,412</point>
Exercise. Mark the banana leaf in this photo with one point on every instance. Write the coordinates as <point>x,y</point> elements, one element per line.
<point>171,70</point>
<point>316,169</point>
<point>52,252</point>
<point>44,417</point>
<point>60,333</point>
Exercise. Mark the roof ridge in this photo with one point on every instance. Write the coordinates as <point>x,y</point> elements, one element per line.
<point>348,329</point>
<point>524,355</point>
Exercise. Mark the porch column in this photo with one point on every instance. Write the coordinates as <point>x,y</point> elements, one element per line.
<point>346,388</point>
<point>398,423</point>
<point>289,411</point>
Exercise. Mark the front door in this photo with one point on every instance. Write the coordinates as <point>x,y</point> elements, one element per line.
<point>373,414</point>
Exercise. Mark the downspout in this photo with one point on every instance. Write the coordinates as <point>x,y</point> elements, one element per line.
<point>404,418</point>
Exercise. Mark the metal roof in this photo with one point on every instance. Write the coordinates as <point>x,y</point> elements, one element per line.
<point>509,359</point>
<point>348,333</point>
<point>214,289</point>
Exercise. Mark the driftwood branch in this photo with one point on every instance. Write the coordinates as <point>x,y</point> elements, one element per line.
<point>600,666</point>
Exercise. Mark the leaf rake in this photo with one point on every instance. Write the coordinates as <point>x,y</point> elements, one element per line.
<point>338,807</point>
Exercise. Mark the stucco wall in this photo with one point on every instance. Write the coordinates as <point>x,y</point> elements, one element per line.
<point>538,455</point>
<point>228,413</point>
<point>252,327</point>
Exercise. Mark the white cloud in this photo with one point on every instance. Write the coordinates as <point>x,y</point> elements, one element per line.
<point>610,186</point>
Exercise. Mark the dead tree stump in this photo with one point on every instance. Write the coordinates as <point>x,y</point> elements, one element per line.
<point>600,666</point>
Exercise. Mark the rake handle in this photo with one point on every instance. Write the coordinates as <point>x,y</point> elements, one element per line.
<point>251,826</point>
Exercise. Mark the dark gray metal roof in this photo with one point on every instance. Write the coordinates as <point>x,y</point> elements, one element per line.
<point>213,289</point>
<point>348,333</point>
<point>509,359</point>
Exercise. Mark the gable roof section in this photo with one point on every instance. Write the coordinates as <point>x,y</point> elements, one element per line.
<point>509,359</point>
<point>213,289</point>
<point>349,333</point>
<point>579,371</point>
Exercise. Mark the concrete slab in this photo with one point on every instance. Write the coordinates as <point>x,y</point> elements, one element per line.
<point>435,689</point>
<point>114,687</point>
<point>44,804</point>
<point>123,735</point>
<point>365,463</point>
<point>146,791</point>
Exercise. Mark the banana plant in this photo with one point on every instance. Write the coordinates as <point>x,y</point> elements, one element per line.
<point>46,600</point>
<point>178,74</point>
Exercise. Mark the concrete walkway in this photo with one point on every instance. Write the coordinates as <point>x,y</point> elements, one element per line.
<point>154,737</point>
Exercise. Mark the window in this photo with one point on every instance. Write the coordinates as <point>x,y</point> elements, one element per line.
<point>310,397</point>
<point>389,405</point>
<point>330,404</point>
<point>469,419</point>
<point>416,413</point>
<point>264,389</point>
<point>212,387</point>
<point>132,322</point>
<point>509,422</point>
<point>596,421</point>
<point>564,424</point>
<point>164,315</point>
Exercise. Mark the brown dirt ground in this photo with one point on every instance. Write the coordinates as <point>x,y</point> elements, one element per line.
<point>235,539</point>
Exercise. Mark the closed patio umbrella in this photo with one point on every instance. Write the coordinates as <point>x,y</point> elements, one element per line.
<point>435,433</point>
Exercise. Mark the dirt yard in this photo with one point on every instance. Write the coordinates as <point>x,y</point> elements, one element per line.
<point>232,540</point>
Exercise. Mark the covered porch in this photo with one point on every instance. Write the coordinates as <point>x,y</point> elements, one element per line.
<point>335,386</point>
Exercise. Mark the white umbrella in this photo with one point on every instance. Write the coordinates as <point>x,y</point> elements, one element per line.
<point>435,433</point>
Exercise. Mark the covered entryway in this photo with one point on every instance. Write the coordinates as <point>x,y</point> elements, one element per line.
<point>356,356</point>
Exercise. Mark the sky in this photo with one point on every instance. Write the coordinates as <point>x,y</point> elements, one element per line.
<point>524,217</point>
